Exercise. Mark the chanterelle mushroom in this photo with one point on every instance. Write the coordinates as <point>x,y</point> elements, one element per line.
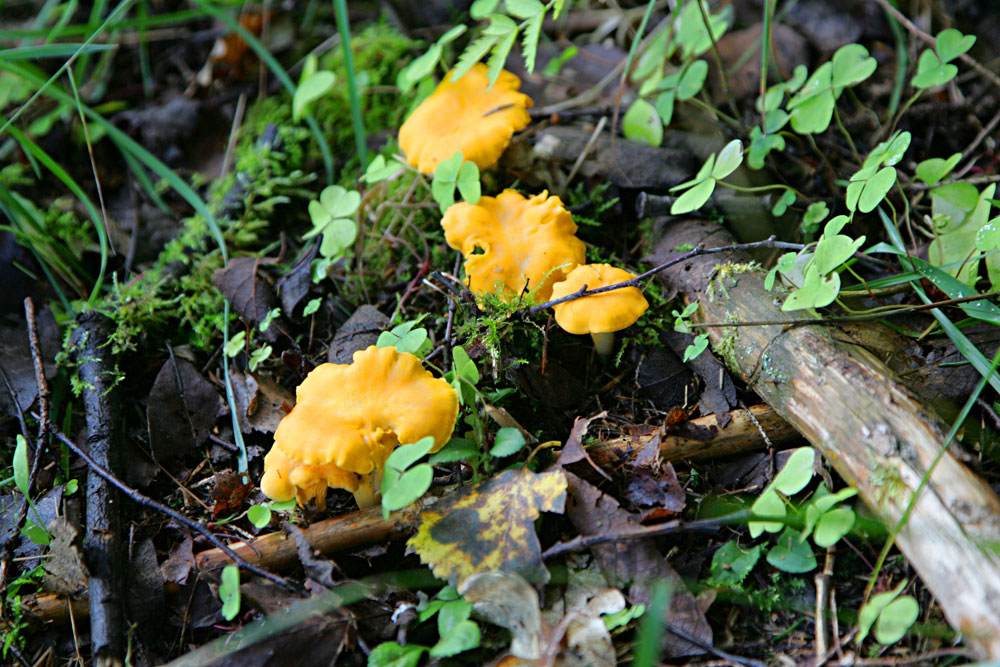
<point>347,420</point>
<point>600,315</point>
<point>515,242</point>
<point>465,115</point>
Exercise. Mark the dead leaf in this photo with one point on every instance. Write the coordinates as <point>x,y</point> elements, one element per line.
<point>490,526</point>
<point>181,409</point>
<point>507,600</point>
<point>318,569</point>
<point>180,561</point>
<point>296,282</point>
<point>360,331</point>
<point>718,396</point>
<point>260,403</point>
<point>637,564</point>
<point>250,295</point>
<point>228,492</point>
<point>65,571</point>
<point>574,452</point>
<point>658,496</point>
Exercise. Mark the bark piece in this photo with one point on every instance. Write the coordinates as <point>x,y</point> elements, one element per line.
<point>867,424</point>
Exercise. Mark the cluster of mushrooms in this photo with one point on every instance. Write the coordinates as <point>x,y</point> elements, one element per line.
<point>349,417</point>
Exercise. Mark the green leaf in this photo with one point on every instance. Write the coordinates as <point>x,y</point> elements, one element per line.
<point>730,157</point>
<point>336,202</point>
<point>309,90</point>
<point>378,170</point>
<point>791,554</point>
<point>760,145</point>
<point>468,182</point>
<point>932,72</point>
<point>787,199</point>
<point>338,235</point>
<point>229,591</point>
<point>312,306</point>
<point>895,149</point>
<point>509,441</point>
<point>529,40</point>
<point>731,564</point>
<point>235,344</point>
<point>694,198</point>
<point>988,236</point>
<point>506,29</point>
<point>814,215</point>
<point>473,53</point>
<point>404,337</point>
<point>259,356</point>
<point>983,309</point>
<point>932,170</point>
<point>35,533</point>
<point>410,486</point>
<point>463,636</point>
<point>951,44</point>
<point>283,506</point>
<point>451,614</point>
<point>406,455</point>
<point>445,180</point>
<point>814,115</point>
<point>259,515</point>
<point>871,611</point>
<point>642,123</point>
<point>697,346</point>
<point>391,654</point>
<point>896,619</point>
<point>524,9</point>
<point>833,525</point>
<point>768,504</point>
<point>873,191</point>
<point>665,106</point>
<point>21,472</point>
<point>453,34</point>
<point>851,65</point>
<point>464,365</point>
<point>693,80</point>
<point>816,291</point>
<point>457,449</point>
<point>480,9</point>
<point>797,472</point>
<point>691,34</point>
<point>834,249</point>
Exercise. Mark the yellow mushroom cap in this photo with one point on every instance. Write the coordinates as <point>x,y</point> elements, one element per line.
<point>598,313</point>
<point>521,242</point>
<point>349,417</point>
<point>465,115</point>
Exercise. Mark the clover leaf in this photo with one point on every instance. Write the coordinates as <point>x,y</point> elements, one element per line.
<point>313,85</point>
<point>642,123</point>
<point>816,291</point>
<point>951,44</point>
<point>331,217</point>
<point>932,170</point>
<point>932,72</point>
<point>452,173</point>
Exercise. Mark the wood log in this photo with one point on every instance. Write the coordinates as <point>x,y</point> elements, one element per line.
<point>866,423</point>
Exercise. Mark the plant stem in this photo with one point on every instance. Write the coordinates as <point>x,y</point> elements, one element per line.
<point>343,26</point>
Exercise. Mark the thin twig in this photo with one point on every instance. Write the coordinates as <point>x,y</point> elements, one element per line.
<point>668,528</point>
<point>851,318</point>
<point>769,242</point>
<point>140,499</point>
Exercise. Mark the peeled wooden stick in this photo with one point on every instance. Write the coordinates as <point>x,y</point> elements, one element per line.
<point>867,424</point>
<point>741,434</point>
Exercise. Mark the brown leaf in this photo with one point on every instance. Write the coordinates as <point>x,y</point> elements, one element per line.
<point>659,496</point>
<point>636,563</point>
<point>317,568</point>
<point>181,409</point>
<point>260,402</point>
<point>296,282</point>
<point>573,452</point>
<point>180,561</point>
<point>490,526</point>
<point>250,295</point>
<point>65,571</point>
<point>228,492</point>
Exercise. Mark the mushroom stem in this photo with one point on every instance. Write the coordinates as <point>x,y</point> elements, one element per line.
<point>604,342</point>
<point>367,494</point>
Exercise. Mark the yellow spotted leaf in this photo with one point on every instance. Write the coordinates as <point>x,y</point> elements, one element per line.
<point>490,526</point>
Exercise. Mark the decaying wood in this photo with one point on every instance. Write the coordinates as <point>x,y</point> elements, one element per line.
<point>274,551</point>
<point>741,434</point>
<point>102,546</point>
<point>867,424</point>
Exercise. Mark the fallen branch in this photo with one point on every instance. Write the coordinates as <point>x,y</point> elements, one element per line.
<point>274,551</point>
<point>741,434</point>
<point>102,546</point>
<point>867,424</point>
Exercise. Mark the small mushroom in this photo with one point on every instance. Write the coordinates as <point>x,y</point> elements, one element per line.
<point>600,315</point>
<point>514,242</point>
<point>465,115</point>
<point>347,420</point>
